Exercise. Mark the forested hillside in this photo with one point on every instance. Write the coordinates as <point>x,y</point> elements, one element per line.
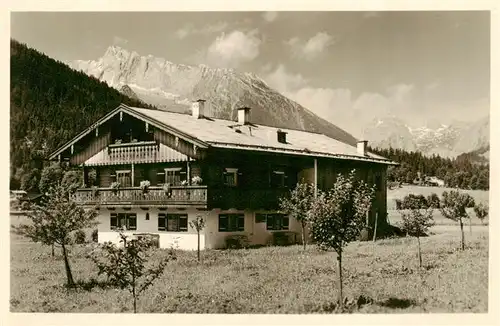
<point>467,171</point>
<point>49,104</point>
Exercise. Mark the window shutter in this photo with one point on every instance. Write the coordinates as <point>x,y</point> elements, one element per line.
<point>132,222</point>
<point>270,222</point>
<point>113,221</point>
<point>183,223</point>
<point>241,222</point>
<point>222,223</point>
<point>161,222</point>
<point>286,222</point>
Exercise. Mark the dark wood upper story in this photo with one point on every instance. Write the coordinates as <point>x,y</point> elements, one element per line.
<point>128,149</point>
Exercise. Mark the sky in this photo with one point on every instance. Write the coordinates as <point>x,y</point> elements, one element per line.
<point>418,65</point>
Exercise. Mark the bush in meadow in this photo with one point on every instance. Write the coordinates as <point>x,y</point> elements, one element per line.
<point>125,265</point>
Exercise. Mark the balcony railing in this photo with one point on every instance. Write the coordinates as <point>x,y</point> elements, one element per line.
<point>182,196</point>
<point>133,152</point>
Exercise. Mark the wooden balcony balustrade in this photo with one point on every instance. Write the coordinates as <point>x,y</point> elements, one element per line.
<point>184,196</point>
<point>133,152</point>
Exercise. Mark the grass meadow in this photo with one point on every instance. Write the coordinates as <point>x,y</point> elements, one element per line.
<point>272,279</point>
<point>379,277</point>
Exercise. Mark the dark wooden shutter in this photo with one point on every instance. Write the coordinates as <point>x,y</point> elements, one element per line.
<point>222,223</point>
<point>286,222</point>
<point>132,221</point>
<point>241,222</point>
<point>270,222</point>
<point>113,221</point>
<point>183,223</point>
<point>161,222</point>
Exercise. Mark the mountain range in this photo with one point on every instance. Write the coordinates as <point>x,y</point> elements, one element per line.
<point>170,86</point>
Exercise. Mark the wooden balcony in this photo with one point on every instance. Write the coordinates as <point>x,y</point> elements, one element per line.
<point>133,152</point>
<point>189,196</point>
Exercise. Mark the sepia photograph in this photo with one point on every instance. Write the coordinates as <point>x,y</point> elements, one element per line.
<point>249,162</point>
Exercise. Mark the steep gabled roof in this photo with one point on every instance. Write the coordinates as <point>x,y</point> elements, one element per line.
<point>219,133</point>
<point>126,109</point>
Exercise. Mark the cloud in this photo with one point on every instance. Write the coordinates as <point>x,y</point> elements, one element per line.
<point>232,49</point>
<point>189,30</point>
<point>119,41</point>
<point>270,16</point>
<point>311,48</point>
<point>338,105</point>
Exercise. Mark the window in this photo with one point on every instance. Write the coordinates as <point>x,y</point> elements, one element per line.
<point>231,222</point>
<point>278,179</point>
<point>123,177</point>
<point>175,176</point>
<point>123,220</point>
<point>277,222</point>
<point>231,177</point>
<point>172,222</point>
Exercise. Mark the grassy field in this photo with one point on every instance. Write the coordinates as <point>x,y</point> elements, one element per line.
<point>273,279</point>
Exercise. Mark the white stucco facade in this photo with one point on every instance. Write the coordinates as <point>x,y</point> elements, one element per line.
<point>210,236</point>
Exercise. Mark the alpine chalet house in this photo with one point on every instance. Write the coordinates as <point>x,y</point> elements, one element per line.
<point>152,172</point>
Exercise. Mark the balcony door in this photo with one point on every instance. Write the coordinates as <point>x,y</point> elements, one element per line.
<point>124,178</point>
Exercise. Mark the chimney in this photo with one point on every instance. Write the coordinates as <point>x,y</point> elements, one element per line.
<point>281,136</point>
<point>362,147</point>
<point>198,109</point>
<point>244,116</point>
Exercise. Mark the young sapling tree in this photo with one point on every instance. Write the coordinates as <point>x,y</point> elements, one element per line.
<point>297,205</point>
<point>481,211</point>
<point>56,221</point>
<point>198,224</point>
<point>338,216</point>
<point>453,206</point>
<point>125,265</point>
<point>416,220</point>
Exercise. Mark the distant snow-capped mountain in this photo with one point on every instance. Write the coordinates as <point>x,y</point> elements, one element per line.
<point>172,87</point>
<point>444,140</point>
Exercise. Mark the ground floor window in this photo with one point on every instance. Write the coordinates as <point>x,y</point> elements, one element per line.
<point>231,222</point>
<point>128,221</point>
<point>173,222</point>
<point>274,221</point>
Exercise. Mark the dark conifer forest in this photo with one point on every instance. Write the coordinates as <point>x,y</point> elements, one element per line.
<point>50,103</point>
<point>466,171</point>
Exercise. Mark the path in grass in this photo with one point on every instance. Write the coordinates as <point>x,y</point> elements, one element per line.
<point>272,280</point>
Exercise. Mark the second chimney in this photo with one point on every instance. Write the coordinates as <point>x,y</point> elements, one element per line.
<point>244,116</point>
<point>362,147</point>
<point>198,109</point>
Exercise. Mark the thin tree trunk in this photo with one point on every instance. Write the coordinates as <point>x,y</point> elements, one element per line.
<point>339,281</point>
<point>375,229</point>
<point>133,290</point>
<point>52,247</point>
<point>303,234</point>
<point>198,245</point>
<point>462,231</point>
<point>135,298</point>
<point>470,225</point>
<point>69,275</point>
<point>419,252</point>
